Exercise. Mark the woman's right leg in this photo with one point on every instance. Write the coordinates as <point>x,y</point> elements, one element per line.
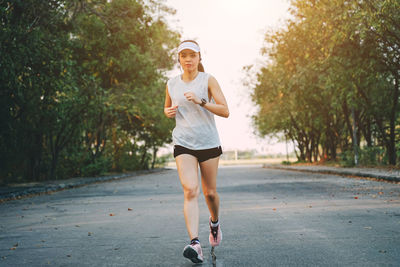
<point>188,174</point>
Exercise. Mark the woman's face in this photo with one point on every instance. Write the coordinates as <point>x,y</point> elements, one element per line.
<point>189,60</point>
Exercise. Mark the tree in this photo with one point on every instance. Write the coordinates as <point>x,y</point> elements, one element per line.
<point>35,57</point>
<point>126,49</point>
<point>82,85</point>
<point>331,60</point>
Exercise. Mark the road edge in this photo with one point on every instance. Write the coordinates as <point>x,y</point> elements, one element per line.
<point>336,171</point>
<point>50,187</point>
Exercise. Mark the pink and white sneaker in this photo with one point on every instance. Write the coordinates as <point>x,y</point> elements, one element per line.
<point>215,235</point>
<point>193,252</point>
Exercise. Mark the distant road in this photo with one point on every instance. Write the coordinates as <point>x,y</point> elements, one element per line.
<point>269,218</point>
<point>245,162</point>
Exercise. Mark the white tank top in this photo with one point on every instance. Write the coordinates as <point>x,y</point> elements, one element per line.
<point>195,126</point>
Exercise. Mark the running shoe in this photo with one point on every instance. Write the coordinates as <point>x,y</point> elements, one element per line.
<point>215,235</point>
<point>193,252</point>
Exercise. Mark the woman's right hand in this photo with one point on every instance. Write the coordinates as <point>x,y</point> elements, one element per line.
<point>171,111</point>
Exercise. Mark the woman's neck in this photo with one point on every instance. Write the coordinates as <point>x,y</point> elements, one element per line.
<point>188,76</point>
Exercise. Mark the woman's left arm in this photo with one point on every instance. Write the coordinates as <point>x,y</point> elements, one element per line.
<point>220,107</point>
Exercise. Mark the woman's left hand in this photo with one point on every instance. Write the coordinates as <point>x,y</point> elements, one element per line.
<point>190,96</point>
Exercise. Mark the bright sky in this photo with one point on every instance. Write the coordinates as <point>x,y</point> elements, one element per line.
<point>230,34</point>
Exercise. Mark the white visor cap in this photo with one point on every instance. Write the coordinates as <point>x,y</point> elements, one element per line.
<point>188,45</point>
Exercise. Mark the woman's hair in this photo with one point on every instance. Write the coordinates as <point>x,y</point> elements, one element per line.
<point>200,67</point>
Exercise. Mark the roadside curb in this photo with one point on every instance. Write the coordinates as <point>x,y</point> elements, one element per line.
<point>19,191</point>
<point>363,173</point>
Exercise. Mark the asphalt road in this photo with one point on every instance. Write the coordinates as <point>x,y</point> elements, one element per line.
<point>269,218</point>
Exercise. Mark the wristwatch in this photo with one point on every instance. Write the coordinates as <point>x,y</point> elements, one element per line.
<point>203,102</point>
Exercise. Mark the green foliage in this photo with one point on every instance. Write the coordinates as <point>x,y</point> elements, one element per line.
<point>333,65</point>
<point>99,167</point>
<point>163,160</point>
<point>368,156</point>
<point>83,86</point>
<point>347,159</point>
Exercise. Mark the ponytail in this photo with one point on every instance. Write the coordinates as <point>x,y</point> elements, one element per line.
<point>200,67</point>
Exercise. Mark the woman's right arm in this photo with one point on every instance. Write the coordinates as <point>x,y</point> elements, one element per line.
<point>169,111</point>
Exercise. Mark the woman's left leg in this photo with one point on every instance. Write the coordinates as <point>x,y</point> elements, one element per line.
<point>209,170</point>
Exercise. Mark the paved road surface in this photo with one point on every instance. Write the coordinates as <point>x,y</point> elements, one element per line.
<point>269,218</point>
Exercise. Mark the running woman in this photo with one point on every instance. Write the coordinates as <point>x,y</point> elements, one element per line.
<point>193,98</point>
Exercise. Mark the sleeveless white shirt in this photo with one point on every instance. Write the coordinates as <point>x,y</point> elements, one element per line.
<point>195,126</point>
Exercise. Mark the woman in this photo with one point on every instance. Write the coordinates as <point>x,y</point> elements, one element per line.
<point>193,98</point>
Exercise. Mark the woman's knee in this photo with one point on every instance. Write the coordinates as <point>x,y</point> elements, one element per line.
<point>210,194</point>
<point>191,192</point>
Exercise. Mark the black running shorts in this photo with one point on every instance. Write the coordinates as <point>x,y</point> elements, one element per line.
<point>201,155</point>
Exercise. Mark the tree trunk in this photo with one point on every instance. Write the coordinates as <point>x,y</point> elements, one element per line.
<point>333,150</point>
<point>315,148</point>
<point>316,152</point>
<point>355,141</point>
<point>143,158</point>
<point>33,170</point>
<point>308,153</point>
<point>348,123</point>
<point>294,146</point>
<point>35,158</point>
<point>116,156</point>
<point>391,147</point>
<point>54,161</point>
<point>155,149</point>
<point>367,132</point>
<point>300,145</point>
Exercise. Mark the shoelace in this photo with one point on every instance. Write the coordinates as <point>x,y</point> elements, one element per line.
<point>214,232</point>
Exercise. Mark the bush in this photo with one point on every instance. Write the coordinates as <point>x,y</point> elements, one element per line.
<point>368,156</point>
<point>99,167</point>
<point>347,158</point>
<point>162,160</point>
<point>372,156</point>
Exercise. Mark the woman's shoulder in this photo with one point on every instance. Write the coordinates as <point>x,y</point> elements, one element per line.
<point>176,77</point>
<point>206,75</point>
<point>209,77</point>
<point>173,80</point>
